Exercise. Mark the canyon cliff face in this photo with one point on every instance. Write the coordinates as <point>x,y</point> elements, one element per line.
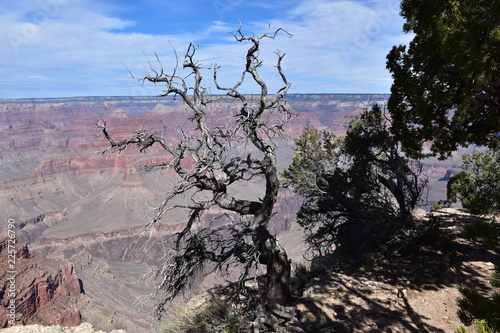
<point>46,291</point>
<point>53,171</point>
<point>69,197</point>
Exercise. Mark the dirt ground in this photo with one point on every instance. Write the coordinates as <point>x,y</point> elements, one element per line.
<point>415,293</point>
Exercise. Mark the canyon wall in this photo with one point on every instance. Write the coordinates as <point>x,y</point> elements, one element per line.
<point>70,198</point>
<point>51,160</point>
<point>46,291</point>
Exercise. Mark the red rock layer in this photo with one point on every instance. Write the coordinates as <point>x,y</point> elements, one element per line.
<point>35,289</point>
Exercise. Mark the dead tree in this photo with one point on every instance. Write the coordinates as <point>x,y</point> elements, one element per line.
<point>241,236</point>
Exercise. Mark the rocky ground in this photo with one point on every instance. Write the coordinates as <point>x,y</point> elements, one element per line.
<point>412,292</point>
<point>415,293</point>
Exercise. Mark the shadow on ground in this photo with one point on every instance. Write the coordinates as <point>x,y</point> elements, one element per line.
<point>383,298</point>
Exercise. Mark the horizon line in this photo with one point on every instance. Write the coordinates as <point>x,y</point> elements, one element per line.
<point>153,96</point>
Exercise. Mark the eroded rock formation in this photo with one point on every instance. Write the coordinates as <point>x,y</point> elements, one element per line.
<point>36,289</point>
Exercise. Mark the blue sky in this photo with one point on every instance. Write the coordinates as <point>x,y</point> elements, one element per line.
<point>65,48</point>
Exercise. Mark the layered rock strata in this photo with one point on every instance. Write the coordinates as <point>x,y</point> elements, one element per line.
<point>35,289</point>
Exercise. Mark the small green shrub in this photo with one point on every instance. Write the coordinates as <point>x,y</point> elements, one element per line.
<point>478,186</point>
<point>495,277</point>
<point>437,206</point>
<point>479,326</point>
<point>485,229</point>
<point>425,235</point>
<point>215,315</point>
<point>304,274</point>
<point>474,306</point>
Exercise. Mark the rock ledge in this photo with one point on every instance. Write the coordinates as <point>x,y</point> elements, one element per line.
<point>83,328</point>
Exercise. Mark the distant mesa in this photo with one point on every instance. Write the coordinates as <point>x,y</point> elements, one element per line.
<point>161,109</point>
<point>118,113</point>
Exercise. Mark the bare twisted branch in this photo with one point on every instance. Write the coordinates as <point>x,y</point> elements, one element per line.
<point>216,164</point>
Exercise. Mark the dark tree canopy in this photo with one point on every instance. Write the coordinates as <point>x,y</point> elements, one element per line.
<point>447,82</point>
<point>358,190</point>
<point>371,146</point>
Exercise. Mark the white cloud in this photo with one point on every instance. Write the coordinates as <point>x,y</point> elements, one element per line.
<point>346,41</point>
<point>78,41</point>
<point>79,47</point>
<point>338,46</point>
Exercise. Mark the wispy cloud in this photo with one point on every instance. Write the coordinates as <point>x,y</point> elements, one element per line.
<point>85,47</point>
<point>338,46</point>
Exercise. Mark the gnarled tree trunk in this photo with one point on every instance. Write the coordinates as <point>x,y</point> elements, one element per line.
<point>211,171</point>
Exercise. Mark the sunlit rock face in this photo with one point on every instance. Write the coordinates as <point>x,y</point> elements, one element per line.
<point>44,290</point>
